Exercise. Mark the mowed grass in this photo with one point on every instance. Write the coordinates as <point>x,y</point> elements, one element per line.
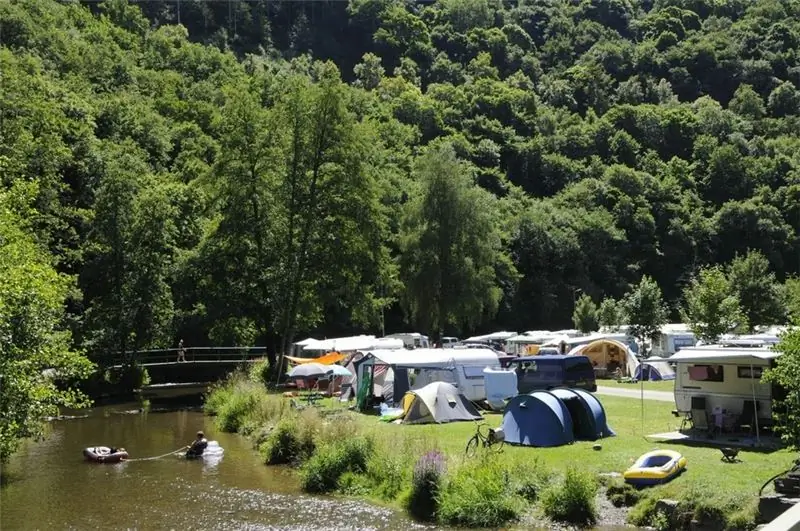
<point>668,385</point>
<point>707,476</point>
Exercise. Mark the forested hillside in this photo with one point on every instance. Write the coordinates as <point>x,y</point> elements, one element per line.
<point>267,168</point>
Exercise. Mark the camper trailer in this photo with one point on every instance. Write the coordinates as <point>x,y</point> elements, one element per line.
<point>724,379</point>
<point>460,367</point>
<point>673,337</point>
<point>412,339</point>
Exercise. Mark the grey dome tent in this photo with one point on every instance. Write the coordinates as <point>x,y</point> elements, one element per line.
<point>437,402</point>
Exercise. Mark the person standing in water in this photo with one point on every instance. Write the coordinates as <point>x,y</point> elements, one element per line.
<point>197,447</point>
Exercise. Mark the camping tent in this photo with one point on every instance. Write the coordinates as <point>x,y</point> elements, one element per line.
<point>654,370</point>
<point>608,355</point>
<point>588,416</point>
<point>554,418</point>
<point>437,402</point>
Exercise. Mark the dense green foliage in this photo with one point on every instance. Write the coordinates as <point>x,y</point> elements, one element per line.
<point>267,169</point>
<point>37,363</point>
<point>786,373</point>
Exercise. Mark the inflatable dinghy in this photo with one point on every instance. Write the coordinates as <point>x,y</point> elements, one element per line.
<point>105,454</point>
<point>655,467</point>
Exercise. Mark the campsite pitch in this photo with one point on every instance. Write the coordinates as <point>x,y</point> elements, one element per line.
<point>719,484</point>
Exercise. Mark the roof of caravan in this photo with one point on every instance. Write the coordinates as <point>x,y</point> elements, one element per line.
<point>430,357</point>
<point>716,354</point>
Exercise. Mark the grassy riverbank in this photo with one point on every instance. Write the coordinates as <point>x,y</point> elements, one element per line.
<point>339,451</point>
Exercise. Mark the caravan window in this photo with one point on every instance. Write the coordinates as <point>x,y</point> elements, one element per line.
<point>706,373</point>
<point>750,372</point>
<point>473,372</point>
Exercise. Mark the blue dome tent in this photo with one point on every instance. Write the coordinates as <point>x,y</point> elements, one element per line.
<point>653,370</point>
<point>588,416</point>
<point>537,419</point>
<point>554,418</point>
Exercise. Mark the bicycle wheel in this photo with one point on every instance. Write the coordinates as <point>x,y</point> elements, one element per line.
<point>472,446</point>
<point>498,447</point>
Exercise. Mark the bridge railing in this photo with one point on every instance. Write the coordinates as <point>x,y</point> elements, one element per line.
<point>192,354</point>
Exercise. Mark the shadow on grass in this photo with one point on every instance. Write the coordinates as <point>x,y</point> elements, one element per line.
<point>726,443</point>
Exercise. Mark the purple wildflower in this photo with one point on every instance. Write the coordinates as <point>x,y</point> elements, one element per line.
<point>430,465</point>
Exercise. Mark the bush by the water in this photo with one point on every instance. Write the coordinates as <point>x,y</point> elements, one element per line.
<point>260,372</point>
<point>288,443</point>
<point>573,500</point>
<point>480,494</point>
<point>622,494</point>
<point>321,473</point>
<point>422,500</point>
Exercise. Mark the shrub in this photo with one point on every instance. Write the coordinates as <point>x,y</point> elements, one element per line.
<point>642,513</point>
<point>572,501</point>
<point>388,472</point>
<point>743,519</point>
<point>479,495</point>
<point>530,479</point>
<point>321,473</point>
<point>422,500</point>
<point>260,372</point>
<point>287,444</point>
<point>622,494</point>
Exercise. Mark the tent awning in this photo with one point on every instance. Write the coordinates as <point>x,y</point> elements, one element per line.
<point>327,359</point>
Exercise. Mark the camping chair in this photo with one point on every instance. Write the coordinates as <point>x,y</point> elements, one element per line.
<point>747,420</point>
<point>730,455</point>
<point>699,413</point>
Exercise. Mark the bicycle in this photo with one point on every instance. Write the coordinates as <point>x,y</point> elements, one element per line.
<point>492,440</point>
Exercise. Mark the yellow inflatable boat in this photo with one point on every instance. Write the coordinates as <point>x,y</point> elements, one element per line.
<point>658,466</point>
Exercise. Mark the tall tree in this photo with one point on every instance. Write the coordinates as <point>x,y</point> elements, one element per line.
<point>585,315</point>
<point>645,312</point>
<point>792,290</point>
<point>131,253</point>
<point>35,351</point>
<point>333,229</point>
<point>760,296</point>
<point>786,374</point>
<point>710,306</point>
<point>450,246</point>
<point>610,314</point>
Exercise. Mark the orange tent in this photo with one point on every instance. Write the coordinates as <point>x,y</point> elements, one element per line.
<point>328,359</point>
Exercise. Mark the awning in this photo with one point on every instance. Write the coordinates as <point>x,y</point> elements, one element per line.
<point>723,355</point>
<point>327,359</point>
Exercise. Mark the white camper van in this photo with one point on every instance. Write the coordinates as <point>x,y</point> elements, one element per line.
<point>724,379</point>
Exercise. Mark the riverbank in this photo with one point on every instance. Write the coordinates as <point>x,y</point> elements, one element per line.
<point>338,451</point>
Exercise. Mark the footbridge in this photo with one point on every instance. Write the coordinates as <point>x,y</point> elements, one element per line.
<point>190,364</point>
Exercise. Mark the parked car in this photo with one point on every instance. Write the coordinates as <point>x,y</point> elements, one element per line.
<point>536,373</point>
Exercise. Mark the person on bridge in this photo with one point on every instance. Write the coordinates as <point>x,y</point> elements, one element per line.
<point>197,447</point>
<point>181,351</point>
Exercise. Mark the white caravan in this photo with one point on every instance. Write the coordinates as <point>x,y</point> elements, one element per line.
<point>716,378</point>
<point>412,339</point>
<point>671,339</point>
<point>460,367</point>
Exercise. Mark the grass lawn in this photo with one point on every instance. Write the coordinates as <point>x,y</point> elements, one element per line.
<point>725,484</point>
<point>668,385</point>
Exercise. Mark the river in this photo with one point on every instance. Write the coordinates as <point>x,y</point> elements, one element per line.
<point>50,486</point>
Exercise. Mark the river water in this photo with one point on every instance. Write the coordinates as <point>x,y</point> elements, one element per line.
<point>50,486</point>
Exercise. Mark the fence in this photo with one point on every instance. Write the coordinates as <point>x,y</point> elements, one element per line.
<point>191,354</point>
